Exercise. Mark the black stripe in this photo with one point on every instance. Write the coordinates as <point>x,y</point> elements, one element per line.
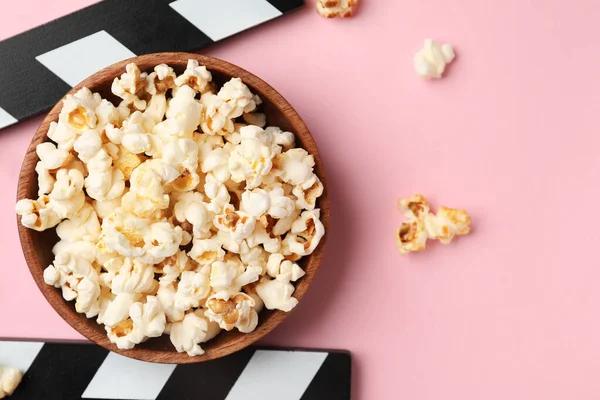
<point>60,372</point>
<point>286,6</point>
<point>210,380</point>
<point>333,380</point>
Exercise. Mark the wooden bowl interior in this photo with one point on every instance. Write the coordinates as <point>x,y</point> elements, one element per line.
<point>37,246</point>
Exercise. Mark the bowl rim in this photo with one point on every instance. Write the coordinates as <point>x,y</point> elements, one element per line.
<point>65,309</point>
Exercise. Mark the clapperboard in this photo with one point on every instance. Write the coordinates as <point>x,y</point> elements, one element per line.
<point>68,371</point>
<point>39,66</point>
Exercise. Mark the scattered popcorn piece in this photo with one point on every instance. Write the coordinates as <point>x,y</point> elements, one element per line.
<point>421,225</point>
<point>431,60</point>
<point>178,210</point>
<point>9,380</point>
<point>336,8</point>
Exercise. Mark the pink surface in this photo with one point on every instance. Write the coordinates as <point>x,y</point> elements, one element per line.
<point>510,135</point>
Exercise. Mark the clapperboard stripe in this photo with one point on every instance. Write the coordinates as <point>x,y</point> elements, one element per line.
<point>39,66</point>
<point>61,371</point>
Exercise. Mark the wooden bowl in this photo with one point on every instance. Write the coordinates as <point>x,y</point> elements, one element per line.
<point>37,246</point>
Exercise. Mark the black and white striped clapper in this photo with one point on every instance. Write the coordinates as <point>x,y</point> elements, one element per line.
<point>39,66</point>
<point>63,371</point>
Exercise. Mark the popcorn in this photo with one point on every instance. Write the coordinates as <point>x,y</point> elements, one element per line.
<point>130,86</point>
<point>162,241</point>
<point>430,62</point>
<point>308,192</point>
<point>67,196</point>
<point>133,277</point>
<point>82,226</point>
<point>170,207</point>
<point>239,224</point>
<point>232,310</point>
<point>421,225</point>
<point>216,163</point>
<point>166,297</point>
<point>187,334</point>
<point>103,181</point>
<point>195,76</point>
<point>296,166</point>
<point>277,265</point>
<point>162,79</point>
<point>252,158</point>
<point>78,110</point>
<point>336,8</point>
<point>9,380</point>
<point>191,208</point>
<point>51,157</point>
<point>37,214</point>
<point>236,94</point>
<point>192,289</point>
<point>306,233</point>
<point>277,294</point>
<point>207,251</point>
<point>145,321</point>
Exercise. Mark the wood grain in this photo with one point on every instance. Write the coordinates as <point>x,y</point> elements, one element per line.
<point>37,246</point>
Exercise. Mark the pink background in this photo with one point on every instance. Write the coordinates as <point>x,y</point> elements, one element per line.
<point>510,134</point>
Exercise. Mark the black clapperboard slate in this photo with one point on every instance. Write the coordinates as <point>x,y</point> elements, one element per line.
<point>39,66</point>
<point>68,371</point>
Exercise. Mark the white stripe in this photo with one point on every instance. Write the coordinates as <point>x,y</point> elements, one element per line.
<point>77,60</point>
<point>277,375</point>
<point>19,354</point>
<point>120,377</point>
<point>6,119</point>
<point>222,18</point>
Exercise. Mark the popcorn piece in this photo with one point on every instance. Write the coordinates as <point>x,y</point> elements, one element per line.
<point>187,334</point>
<point>296,166</point>
<point>78,110</point>
<point>183,115</point>
<point>45,179</point>
<point>37,214</point>
<point>252,158</point>
<point>195,76</point>
<point>172,267</point>
<point>277,294</point>
<point>207,251</point>
<point>217,193</point>
<point>308,192</point>
<point>277,265</point>
<point>9,380</point>
<point>263,235</point>
<point>336,8</point>
<point>421,225</point>
<point>133,277</point>
<point>52,158</point>
<point>162,241</point>
<point>239,224</point>
<point>238,96</point>
<point>67,196</point>
<point>107,113</point>
<point>161,80</point>
<point>125,233</point>
<point>255,202</point>
<point>87,145</point>
<point>127,162</point>
<point>145,320</point>
<point>282,138</point>
<point>117,310</point>
<point>306,233</point>
<point>182,154</point>
<point>191,207</point>
<point>192,289</point>
<point>216,162</point>
<point>63,134</point>
<point>431,60</point>
<point>131,86</point>
<point>82,226</point>
<point>103,181</point>
<point>105,208</point>
<point>232,310</point>
<point>284,225</point>
<point>216,119</point>
<point>166,297</point>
